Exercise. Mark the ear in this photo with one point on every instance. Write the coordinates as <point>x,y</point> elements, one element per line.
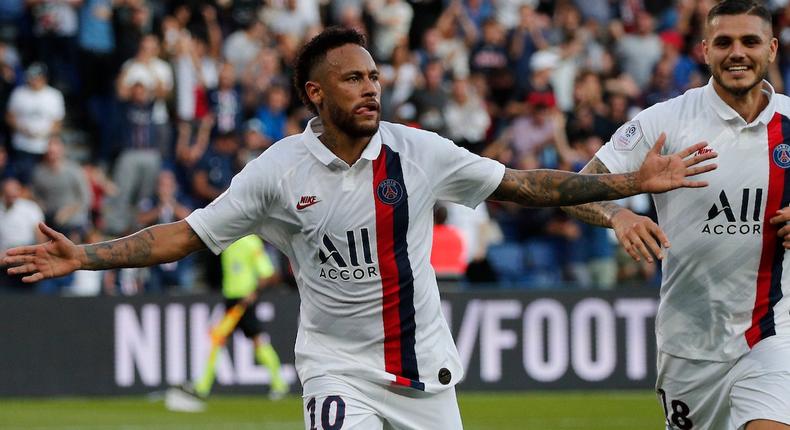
<point>314,92</point>
<point>774,47</point>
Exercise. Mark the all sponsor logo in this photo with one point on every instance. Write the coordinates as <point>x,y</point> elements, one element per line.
<point>353,262</point>
<point>726,218</point>
<point>781,155</point>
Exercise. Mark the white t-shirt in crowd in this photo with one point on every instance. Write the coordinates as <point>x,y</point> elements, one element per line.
<point>150,75</point>
<point>725,277</point>
<point>35,111</point>
<point>359,241</point>
<point>18,223</point>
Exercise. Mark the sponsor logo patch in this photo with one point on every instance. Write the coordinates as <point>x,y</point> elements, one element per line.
<point>627,136</point>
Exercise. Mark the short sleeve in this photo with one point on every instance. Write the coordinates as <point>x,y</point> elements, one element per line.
<point>460,176</point>
<point>628,146</point>
<point>240,209</point>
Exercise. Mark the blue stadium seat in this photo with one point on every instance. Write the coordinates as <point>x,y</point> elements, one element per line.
<point>507,260</point>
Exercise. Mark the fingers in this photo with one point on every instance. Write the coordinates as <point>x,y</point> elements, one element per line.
<point>22,269</point>
<point>643,239</point>
<point>691,171</point>
<point>50,233</point>
<point>17,260</point>
<point>783,216</point>
<point>21,250</point>
<point>700,158</point>
<point>694,184</point>
<point>33,278</point>
<point>659,143</point>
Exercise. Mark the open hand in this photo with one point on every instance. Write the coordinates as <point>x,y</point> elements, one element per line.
<point>660,173</point>
<point>57,257</point>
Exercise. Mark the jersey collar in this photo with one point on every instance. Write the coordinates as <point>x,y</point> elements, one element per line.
<point>327,157</point>
<point>727,113</point>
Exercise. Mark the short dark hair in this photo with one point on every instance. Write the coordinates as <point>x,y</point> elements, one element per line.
<point>739,7</point>
<point>314,52</point>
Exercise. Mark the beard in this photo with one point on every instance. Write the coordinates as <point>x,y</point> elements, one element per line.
<point>346,122</point>
<point>737,91</point>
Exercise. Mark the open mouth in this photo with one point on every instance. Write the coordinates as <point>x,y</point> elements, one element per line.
<point>737,69</point>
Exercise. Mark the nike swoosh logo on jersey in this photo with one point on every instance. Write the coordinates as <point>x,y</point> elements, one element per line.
<point>306,202</point>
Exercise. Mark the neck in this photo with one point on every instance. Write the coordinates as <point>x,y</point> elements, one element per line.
<point>345,147</point>
<point>748,105</point>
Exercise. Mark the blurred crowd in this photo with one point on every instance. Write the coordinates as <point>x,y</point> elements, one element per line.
<point>119,114</point>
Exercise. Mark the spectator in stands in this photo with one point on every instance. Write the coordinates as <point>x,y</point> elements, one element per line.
<point>61,188</point>
<point>525,39</point>
<point>9,70</point>
<point>430,100</point>
<point>638,52</point>
<point>392,19</point>
<point>293,18</point>
<point>97,67</point>
<point>139,162</point>
<point>167,205</point>
<point>254,141</point>
<point>490,53</point>
<point>156,76</point>
<point>242,46</point>
<point>55,25</point>
<point>266,70</point>
<point>466,117</point>
<point>273,113</point>
<point>398,80</point>
<point>213,173</point>
<point>224,101</point>
<point>19,218</point>
<point>35,113</point>
<point>131,22</point>
<point>450,40</point>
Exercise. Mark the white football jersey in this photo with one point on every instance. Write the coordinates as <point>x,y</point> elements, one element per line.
<point>359,240</point>
<point>724,284</point>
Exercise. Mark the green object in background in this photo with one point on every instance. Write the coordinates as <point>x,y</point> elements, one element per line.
<point>579,410</point>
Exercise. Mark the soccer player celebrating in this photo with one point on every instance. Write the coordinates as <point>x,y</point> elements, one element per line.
<point>723,325</point>
<point>350,202</point>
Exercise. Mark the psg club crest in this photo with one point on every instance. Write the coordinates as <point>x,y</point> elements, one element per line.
<point>782,155</point>
<point>389,191</point>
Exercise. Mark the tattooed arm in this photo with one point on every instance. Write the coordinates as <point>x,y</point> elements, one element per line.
<point>596,213</point>
<point>639,235</point>
<point>60,256</point>
<point>658,173</point>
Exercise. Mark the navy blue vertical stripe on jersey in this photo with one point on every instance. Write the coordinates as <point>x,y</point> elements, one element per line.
<point>400,228</point>
<point>767,322</point>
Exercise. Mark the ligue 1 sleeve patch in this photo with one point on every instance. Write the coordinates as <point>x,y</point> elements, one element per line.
<point>627,136</point>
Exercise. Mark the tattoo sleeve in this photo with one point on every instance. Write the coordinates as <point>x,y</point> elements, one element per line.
<point>154,245</point>
<point>557,188</point>
<point>596,213</point>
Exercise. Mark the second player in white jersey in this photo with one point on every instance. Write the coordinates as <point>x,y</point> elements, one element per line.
<point>724,285</point>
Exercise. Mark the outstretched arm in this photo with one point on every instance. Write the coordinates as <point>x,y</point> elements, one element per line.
<point>60,256</point>
<point>543,187</point>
